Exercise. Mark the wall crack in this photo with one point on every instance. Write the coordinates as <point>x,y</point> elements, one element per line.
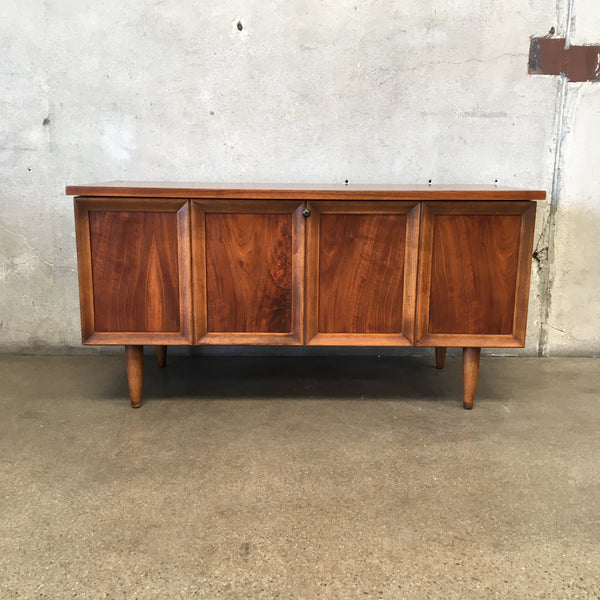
<point>44,260</point>
<point>451,63</point>
<point>570,336</point>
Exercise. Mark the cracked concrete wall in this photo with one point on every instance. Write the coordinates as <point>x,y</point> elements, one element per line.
<point>307,91</point>
<point>572,289</point>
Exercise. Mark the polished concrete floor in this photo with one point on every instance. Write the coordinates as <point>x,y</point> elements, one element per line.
<point>299,478</point>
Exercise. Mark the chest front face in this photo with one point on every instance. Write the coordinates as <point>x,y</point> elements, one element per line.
<point>334,267</point>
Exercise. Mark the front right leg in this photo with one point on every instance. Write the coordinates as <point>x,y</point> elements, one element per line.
<point>470,374</point>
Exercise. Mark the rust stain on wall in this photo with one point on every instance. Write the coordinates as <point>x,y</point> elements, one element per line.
<point>548,56</point>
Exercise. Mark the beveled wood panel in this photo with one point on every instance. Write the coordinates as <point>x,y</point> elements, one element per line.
<point>248,271</point>
<point>316,191</point>
<point>134,266</point>
<point>135,270</point>
<point>361,273</point>
<point>474,273</point>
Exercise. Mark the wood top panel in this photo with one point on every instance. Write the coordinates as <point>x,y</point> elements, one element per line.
<point>322,191</point>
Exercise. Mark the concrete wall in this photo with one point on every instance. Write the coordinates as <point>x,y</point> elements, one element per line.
<point>572,289</point>
<point>307,91</point>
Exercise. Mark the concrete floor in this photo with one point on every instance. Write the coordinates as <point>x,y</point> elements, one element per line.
<point>299,478</point>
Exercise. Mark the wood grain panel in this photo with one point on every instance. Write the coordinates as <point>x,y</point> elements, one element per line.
<point>361,273</point>
<point>474,273</point>
<point>135,271</point>
<point>248,272</point>
<point>165,273</point>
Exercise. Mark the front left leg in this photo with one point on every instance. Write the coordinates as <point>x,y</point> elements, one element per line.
<point>134,358</point>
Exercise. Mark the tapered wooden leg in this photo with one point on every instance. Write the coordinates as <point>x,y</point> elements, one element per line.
<point>470,373</point>
<point>134,357</point>
<point>161,356</point>
<point>440,357</point>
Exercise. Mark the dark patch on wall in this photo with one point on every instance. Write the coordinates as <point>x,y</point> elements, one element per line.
<point>540,256</point>
<point>548,56</point>
<point>46,121</point>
